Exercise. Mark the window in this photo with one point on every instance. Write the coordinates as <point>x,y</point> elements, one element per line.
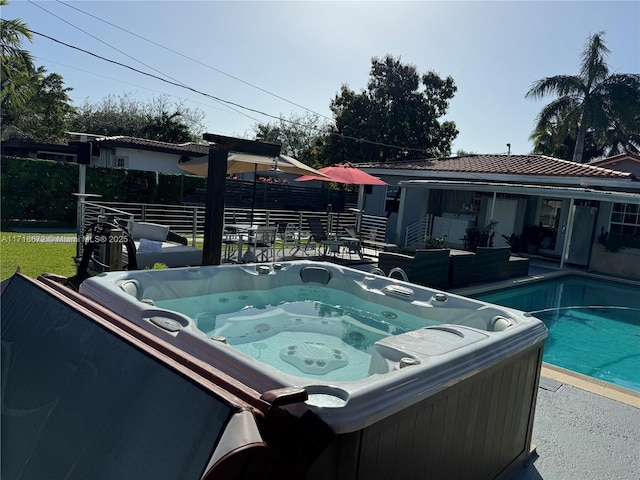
<point>392,200</point>
<point>122,162</point>
<point>550,213</point>
<point>625,219</point>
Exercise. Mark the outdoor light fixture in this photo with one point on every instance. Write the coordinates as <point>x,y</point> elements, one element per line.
<point>274,167</point>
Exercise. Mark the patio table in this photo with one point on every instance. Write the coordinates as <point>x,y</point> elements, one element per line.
<point>241,230</point>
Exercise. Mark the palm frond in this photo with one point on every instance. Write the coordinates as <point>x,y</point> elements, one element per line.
<point>558,84</point>
<point>562,110</point>
<point>593,66</point>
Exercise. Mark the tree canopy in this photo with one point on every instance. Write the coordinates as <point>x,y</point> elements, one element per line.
<point>297,135</point>
<point>156,119</point>
<point>33,103</point>
<point>15,60</point>
<point>595,113</point>
<point>395,118</point>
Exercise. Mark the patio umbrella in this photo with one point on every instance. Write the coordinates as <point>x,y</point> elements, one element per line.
<point>346,173</point>
<point>245,162</point>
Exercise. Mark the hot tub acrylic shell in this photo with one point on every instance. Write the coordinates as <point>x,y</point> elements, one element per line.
<point>463,386</point>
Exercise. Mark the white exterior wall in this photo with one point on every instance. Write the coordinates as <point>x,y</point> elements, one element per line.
<point>135,159</point>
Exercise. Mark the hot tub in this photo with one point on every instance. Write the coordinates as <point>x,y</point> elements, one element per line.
<point>411,379</point>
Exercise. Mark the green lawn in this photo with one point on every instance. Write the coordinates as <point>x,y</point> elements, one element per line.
<point>37,253</point>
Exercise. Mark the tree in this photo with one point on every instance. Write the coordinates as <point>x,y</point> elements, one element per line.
<point>594,102</point>
<point>298,135</point>
<point>32,103</point>
<point>464,153</point>
<point>167,128</point>
<point>16,62</point>
<point>157,119</point>
<point>46,117</point>
<point>395,118</point>
<point>553,140</point>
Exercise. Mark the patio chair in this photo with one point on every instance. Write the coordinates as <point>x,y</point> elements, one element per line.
<point>371,240</point>
<point>318,234</point>
<point>231,242</point>
<point>263,243</point>
<point>353,242</point>
<point>287,235</point>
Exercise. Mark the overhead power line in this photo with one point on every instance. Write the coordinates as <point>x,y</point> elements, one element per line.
<point>137,70</point>
<point>194,60</point>
<point>218,99</point>
<point>124,53</point>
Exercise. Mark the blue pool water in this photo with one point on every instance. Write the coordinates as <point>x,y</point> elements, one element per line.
<point>594,324</point>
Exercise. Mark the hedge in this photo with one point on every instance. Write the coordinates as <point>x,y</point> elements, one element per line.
<point>43,189</point>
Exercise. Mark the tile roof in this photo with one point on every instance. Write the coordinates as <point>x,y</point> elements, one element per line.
<point>616,158</point>
<point>142,143</point>
<point>503,164</point>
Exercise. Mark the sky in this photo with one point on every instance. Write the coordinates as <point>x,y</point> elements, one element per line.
<point>256,61</point>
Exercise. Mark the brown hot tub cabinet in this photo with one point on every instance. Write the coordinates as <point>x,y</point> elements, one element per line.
<point>479,428</point>
<point>451,397</point>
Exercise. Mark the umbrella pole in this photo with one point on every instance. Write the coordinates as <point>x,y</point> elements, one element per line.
<point>253,197</point>
<point>360,207</point>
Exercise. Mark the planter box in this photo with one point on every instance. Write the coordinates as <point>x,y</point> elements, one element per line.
<point>623,263</point>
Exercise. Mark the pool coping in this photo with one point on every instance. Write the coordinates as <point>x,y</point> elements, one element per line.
<point>512,282</point>
<point>590,384</point>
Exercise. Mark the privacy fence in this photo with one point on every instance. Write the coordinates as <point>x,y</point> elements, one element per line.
<point>43,190</point>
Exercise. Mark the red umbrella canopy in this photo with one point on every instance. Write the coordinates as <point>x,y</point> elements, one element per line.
<point>344,173</point>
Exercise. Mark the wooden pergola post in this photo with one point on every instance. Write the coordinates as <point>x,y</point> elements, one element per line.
<point>216,184</point>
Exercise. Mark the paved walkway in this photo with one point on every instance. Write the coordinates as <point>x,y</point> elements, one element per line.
<point>583,435</point>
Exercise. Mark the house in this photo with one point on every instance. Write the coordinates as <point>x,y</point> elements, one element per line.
<point>24,148</point>
<point>141,154</point>
<point>115,151</point>
<point>623,162</point>
<point>569,206</point>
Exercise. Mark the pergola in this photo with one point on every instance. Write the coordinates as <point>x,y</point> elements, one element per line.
<point>219,149</point>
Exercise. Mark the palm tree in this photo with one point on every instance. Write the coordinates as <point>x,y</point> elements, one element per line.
<point>605,105</point>
<point>15,60</point>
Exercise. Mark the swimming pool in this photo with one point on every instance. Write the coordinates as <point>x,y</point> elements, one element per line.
<point>594,323</point>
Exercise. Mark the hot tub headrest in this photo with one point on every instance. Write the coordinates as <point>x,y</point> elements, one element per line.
<point>132,287</point>
<point>315,275</point>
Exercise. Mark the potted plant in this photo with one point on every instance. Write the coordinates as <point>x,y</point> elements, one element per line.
<point>514,241</point>
<point>476,237</point>
<point>434,242</point>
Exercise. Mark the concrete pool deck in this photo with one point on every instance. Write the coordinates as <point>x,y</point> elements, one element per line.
<point>583,429</point>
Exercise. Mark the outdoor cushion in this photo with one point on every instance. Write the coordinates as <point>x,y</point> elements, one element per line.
<point>150,231</point>
<point>149,246</point>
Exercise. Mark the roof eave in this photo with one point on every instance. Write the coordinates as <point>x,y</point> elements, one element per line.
<point>575,192</point>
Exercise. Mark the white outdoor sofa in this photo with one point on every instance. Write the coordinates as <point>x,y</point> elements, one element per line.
<point>155,243</point>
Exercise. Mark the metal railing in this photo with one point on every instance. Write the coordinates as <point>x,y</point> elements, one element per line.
<point>188,220</point>
<point>418,231</point>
